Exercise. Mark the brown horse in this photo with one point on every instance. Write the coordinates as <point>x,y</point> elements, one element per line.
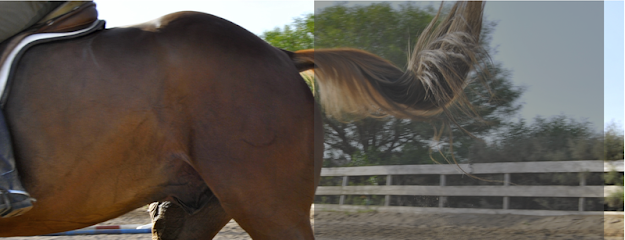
<point>194,109</point>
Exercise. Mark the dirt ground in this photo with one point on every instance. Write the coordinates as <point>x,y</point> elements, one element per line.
<point>395,226</point>
<point>373,225</point>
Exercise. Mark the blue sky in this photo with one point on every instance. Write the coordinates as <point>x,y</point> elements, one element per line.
<point>555,50</point>
<point>537,41</point>
<point>613,62</point>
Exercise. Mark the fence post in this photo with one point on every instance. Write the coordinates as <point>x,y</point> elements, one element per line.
<point>342,197</point>
<point>387,198</point>
<point>442,199</point>
<point>506,182</point>
<point>582,200</point>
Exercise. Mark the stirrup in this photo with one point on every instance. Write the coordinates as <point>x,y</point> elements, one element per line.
<point>9,210</point>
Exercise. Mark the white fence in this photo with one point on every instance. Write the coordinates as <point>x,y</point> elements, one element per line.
<point>443,191</point>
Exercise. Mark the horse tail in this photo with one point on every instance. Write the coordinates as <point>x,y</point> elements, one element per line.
<point>355,84</point>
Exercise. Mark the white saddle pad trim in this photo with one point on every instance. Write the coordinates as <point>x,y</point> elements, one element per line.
<point>6,67</point>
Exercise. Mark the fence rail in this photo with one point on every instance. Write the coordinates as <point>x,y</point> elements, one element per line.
<point>506,190</point>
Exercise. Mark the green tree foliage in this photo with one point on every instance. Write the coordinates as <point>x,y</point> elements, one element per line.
<point>556,139</point>
<point>616,199</point>
<point>613,142</point>
<point>297,36</point>
<point>377,28</point>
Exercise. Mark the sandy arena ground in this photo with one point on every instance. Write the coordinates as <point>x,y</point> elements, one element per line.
<point>395,226</point>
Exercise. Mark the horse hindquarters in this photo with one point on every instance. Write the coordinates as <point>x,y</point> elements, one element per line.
<point>258,160</point>
<point>251,121</point>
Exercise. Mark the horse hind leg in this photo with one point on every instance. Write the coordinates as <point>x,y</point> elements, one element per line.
<point>172,222</point>
<point>267,207</point>
<point>268,189</point>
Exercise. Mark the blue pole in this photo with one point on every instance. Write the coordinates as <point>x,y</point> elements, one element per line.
<point>101,231</point>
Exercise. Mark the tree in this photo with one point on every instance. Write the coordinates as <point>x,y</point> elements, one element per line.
<point>390,32</point>
<point>377,28</point>
<point>556,139</point>
<point>550,139</point>
<point>299,35</point>
<point>613,142</point>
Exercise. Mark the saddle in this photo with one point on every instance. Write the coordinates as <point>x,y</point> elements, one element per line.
<point>69,20</point>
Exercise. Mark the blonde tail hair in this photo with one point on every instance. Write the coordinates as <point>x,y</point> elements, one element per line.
<point>355,84</point>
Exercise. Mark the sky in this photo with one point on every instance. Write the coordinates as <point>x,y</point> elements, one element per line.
<point>556,54</point>
<point>614,60</point>
<point>568,55</point>
<point>255,16</point>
